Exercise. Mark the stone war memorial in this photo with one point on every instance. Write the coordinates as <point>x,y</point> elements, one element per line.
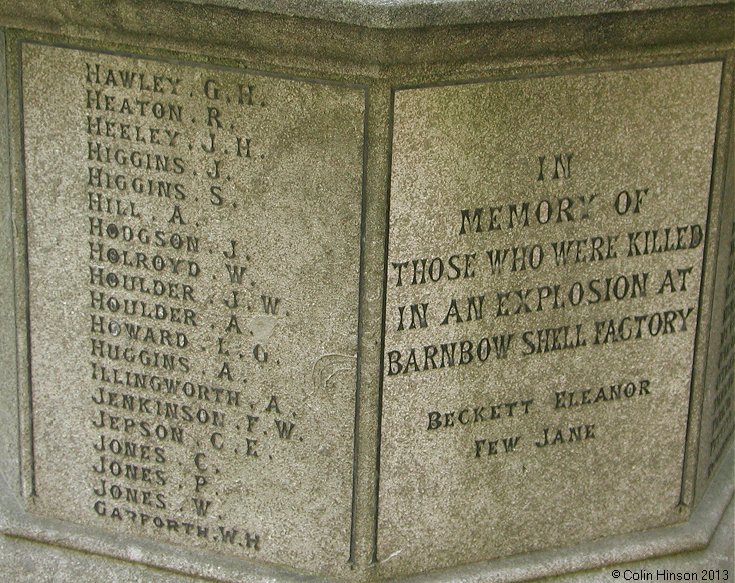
<point>361,291</point>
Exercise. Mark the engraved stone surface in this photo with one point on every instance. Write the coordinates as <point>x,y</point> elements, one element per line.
<point>545,260</point>
<point>194,261</point>
<point>9,463</point>
<point>723,417</point>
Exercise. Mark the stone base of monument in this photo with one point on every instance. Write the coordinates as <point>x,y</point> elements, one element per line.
<point>367,291</point>
<point>702,549</point>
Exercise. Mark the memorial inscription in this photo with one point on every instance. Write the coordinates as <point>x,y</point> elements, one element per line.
<point>193,355</point>
<point>544,266</point>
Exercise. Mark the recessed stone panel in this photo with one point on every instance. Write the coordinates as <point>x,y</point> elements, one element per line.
<point>545,262</point>
<point>194,260</point>
<point>8,394</point>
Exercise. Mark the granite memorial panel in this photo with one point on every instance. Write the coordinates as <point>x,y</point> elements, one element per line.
<point>545,257</point>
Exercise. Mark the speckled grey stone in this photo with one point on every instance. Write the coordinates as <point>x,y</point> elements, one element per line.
<point>718,411</point>
<point>197,349</point>
<point>421,13</point>
<point>486,378</point>
<point>9,447</point>
<point>30,562</point>
<point>363,112</point>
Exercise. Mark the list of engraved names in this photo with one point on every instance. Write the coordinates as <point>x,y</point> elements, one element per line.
<point>187,335</point>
